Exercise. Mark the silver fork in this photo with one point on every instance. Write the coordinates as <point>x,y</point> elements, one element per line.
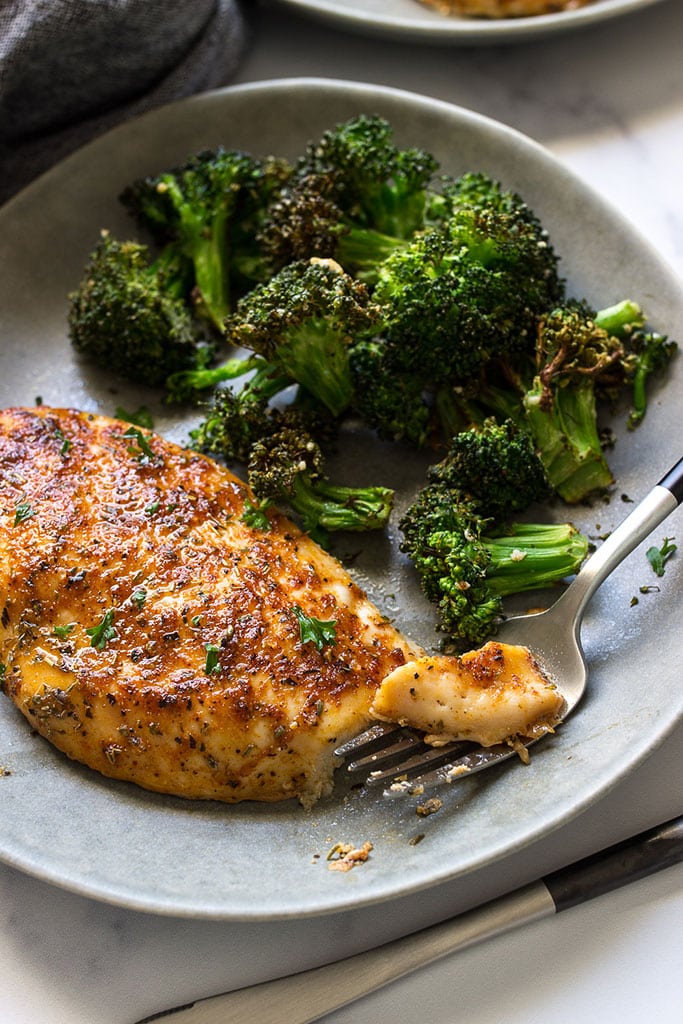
<point>398,759</point>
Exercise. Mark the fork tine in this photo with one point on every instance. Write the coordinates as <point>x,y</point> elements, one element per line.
<point>423,763</point>
<point>394,747</point>
<point>475,760</point>
<point>371,738</point>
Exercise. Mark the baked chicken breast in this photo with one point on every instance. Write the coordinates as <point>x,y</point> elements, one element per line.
<point>152,629</point>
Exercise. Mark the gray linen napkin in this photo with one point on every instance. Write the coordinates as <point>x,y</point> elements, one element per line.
<point>71,69</point>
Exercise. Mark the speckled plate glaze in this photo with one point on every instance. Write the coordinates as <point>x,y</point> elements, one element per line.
<point>409,20</point>
<point>112,841</point>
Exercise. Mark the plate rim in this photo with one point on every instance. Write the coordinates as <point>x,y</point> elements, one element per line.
<point>452,29</point>
<point>199,909</point>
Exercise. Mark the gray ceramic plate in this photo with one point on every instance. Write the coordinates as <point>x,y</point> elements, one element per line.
<point>110,840</point>
<point>411,20</point>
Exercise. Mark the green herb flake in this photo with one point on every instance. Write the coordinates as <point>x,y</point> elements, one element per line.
<point>139,447</point>
<point>255,516</point>
<point>315,631</point>
<point>101,634</point>
<point>658,557</point>
<point>22,512</point>
<point>64,631</point>
<point>66,444</point>
<point>212,664</point>
<point>152,508</point>
<point>139,597</point>
<point>142,417</point>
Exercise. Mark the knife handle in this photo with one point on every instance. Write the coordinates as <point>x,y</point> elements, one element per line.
<point>622,863</point>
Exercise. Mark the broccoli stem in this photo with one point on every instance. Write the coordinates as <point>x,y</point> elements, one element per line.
<point>360,251</point>
<point>321,368</point>
<point>206,244</point>
<point>567,441</point>
<point>530,556</point>
<point>620,319</point>
<point>340,508</point>
<point>182,386</point>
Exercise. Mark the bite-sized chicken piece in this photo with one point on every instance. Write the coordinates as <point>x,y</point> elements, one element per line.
<point>504,8</point>
<point>488,696</point>
<point>150,632</point>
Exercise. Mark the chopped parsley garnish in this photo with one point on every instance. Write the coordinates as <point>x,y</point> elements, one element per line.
<point>139,597</point>
<point>139,448</point>
<point>152,508</point>
<point>22,512</point>
<point>64,631</point>
<point>658,557</point>
<point>66,443</point>
<point>315,631</point>
<point>101,634</point>
<point>255,516</point>
<point>212,664</point>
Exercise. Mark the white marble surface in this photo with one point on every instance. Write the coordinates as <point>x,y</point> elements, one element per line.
<point>609,102</point>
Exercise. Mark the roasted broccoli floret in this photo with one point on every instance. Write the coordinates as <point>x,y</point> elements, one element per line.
<point>454,299</point>
<point>375,183</point>
<point>237,418</point>
<point>466,565</point>
<point>495,467</point>
<point>200,208</point>
<point>303,321</point>
<point>354,196</point>
<point>574,355</point>
<point>288,467</point>
<point>128,314</point>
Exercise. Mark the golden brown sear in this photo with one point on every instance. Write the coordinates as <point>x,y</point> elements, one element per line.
<point>151,633</point>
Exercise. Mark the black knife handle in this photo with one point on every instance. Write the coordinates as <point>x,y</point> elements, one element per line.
<point>634,858</point>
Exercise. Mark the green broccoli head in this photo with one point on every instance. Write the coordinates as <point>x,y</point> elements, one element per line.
<point>199,207</point>
<point>496,467</point>
<point>127,318</point>
<point>236,420</point>
<point>389,401</point>
<point>303,220</point>
<point>447,315</point>
<point>303,322</point>
<point>466,567</point>
<point>376,184</point>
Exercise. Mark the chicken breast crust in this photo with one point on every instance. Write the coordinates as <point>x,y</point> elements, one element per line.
<point>150,633</point>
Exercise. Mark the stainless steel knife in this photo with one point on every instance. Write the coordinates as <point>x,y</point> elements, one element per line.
<point>309,995</point>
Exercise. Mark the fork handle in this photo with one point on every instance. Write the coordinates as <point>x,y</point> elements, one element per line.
<point>306,997</point>
<point>659,503</point>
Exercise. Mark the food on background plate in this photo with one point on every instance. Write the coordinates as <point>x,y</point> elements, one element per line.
<point>504,8</point>
<point>155,631</point>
